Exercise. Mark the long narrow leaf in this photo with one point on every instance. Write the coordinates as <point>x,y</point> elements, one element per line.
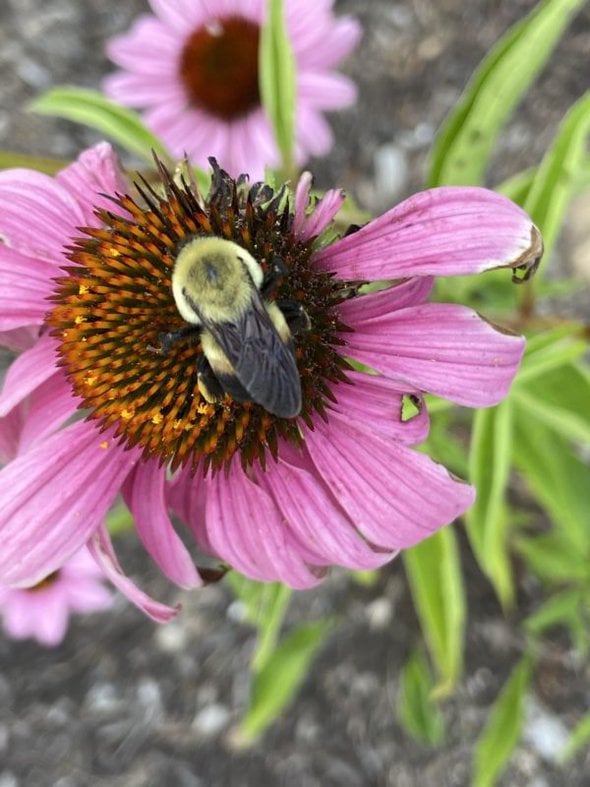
<point>503,729</point>
<point>487,521</point>
<point>466,142</point>
<point>558,176</point>
<point>436,580</point>
<point>277,79</point>
<point>416,712</point>
<point>283,673</point>
<point>91,108</point>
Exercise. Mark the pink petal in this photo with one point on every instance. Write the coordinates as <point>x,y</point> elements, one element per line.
<point>377,403</point>
<point>138,90</point>
<point>357,312</point>
<point>37,214</point>
<point>316,519</point>
<point>187,498</point>
<point>96,172</point>
<point>450,231</point>
<point>47,408</point>
<point>19,339</point>
<point>247,530</point>
<point>395,496</point>
<point>25,284</point>
<point>32,368</point>
<point>101,548</point>
<point>326,91</point>
<point>442,348</point>
<point>88,595</point>
<point>180,15</point>
<point>344,36</point>
<point>146,46</point>
<point>144,494</point>
<point>314,135</point>
<point>54,496</point>
<point>308,225</point>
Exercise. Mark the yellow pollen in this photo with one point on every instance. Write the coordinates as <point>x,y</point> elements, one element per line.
<point>79,319</point>
<point>157,418</point>
<point>104,444</point>
<point>83,289</point>
<point>127,414</point>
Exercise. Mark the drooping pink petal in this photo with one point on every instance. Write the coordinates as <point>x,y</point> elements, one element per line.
<point>187,499</point>
<point>54,496</point>
<point>32,368</point>
<point>144,495</point>
<point>441,348</point>
<point>247,530</point>
<point>88,597</point>
<point>449,231</point>
<point>25,283</point>
<point>377,402</point>
<point>395,496</point>
<point>316,519</point>
<point>101,548</point>
<point>19,339</point>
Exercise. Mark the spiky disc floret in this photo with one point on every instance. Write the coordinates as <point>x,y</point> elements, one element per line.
<point>115,302</point>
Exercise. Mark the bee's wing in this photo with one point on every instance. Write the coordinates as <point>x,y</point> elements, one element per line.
<point>264,365</point>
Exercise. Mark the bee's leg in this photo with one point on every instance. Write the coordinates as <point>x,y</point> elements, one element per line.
<point>295,316</point>
<point>169,338</point>
<point>273,277</point>
<point>209,386</point>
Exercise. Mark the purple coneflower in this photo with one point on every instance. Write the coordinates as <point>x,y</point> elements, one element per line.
<point>276,498</point>
<point>42,610</point>
<point>193,68</point>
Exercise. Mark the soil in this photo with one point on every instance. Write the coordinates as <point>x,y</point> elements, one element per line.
<point>125,703</point>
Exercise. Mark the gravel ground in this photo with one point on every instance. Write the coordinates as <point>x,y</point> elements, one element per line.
<point>127,704</point>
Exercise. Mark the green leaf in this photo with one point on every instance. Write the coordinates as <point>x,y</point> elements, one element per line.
<point>487,520</point>
<point>558,176</point>
<point>549,351</point>
<point>560,398</point>
<point>91,108</point>
<point>502,731</point>
<point>119,520</point>
<point>277,74</point>
<point>436,581</point>
<point>553,557</point>
<point>556,477</point>
<point>417,713</point>
<point>283,673</point>
<point>562,609</point>
<point>579,738</point>
<point>466,142</point>
<point>10,160</point>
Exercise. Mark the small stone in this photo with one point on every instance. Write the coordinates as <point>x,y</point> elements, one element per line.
<point>211,720</point>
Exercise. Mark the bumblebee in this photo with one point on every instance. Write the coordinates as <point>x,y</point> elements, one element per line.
<point>247,342</point>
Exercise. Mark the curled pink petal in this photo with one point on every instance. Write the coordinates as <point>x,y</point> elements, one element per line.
<point>101,548</point>
<point>25,284</point>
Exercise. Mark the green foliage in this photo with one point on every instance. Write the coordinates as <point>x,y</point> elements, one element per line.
<point>277,80</point>
<point>10,160</point>
<point>503,728</point>
<point>466,142</point>
<point>91,108</point>
<point>277,682</point>
<point>560,173</point>
<point>487,520</point>
<point>436,580</point>
<point>419,716</point>
<point>579,738</point>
